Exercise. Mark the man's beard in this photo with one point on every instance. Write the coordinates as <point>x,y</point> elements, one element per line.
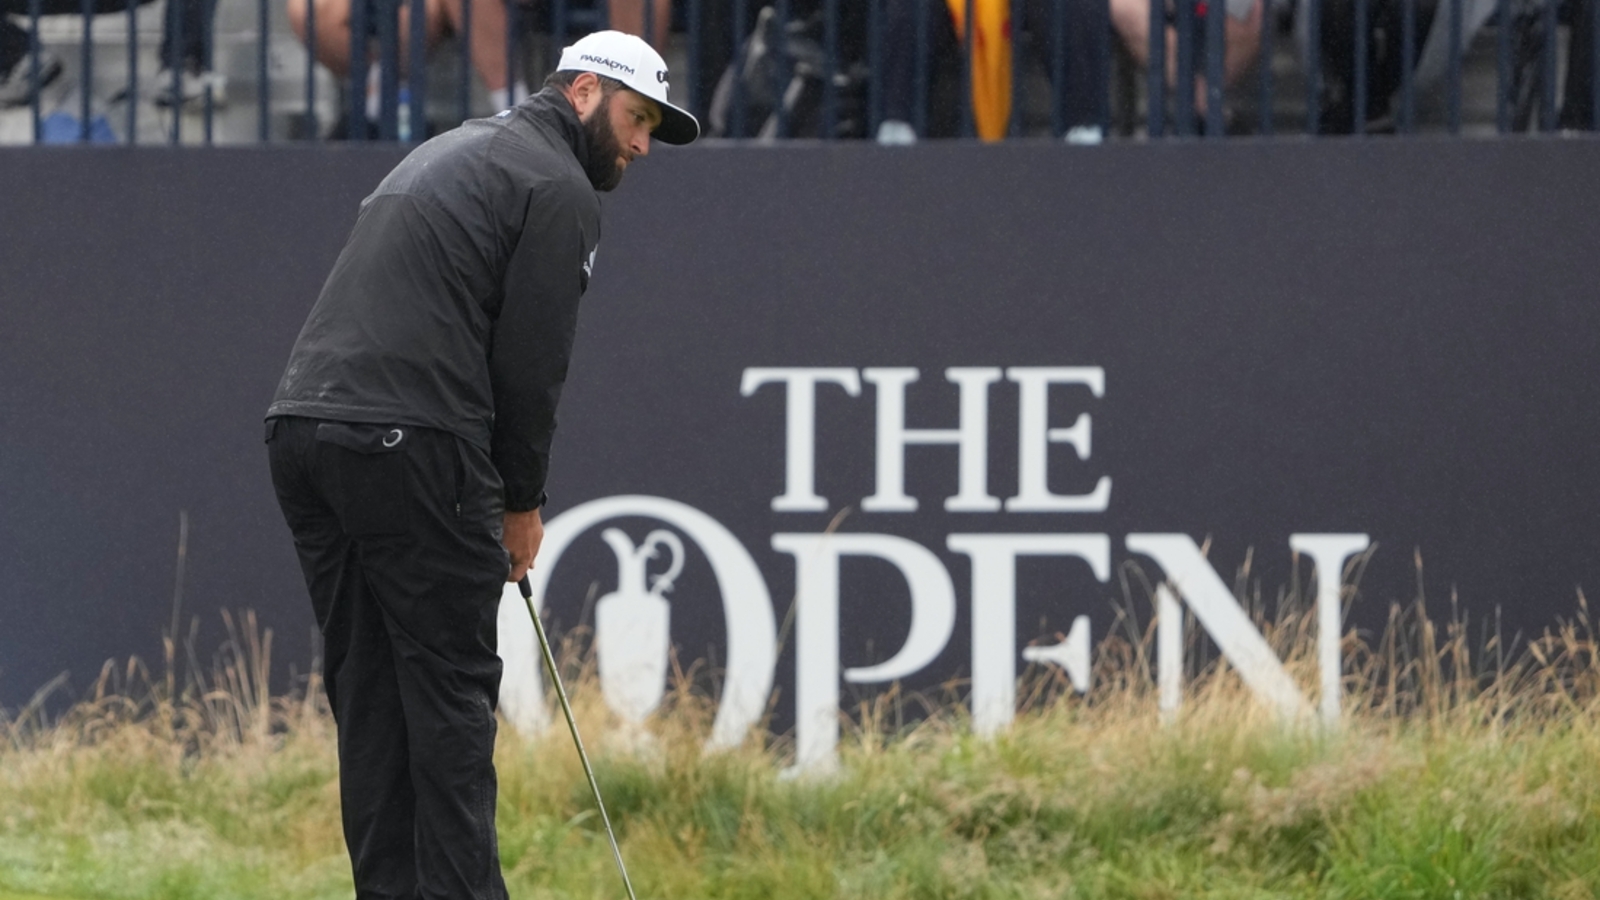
<point>604,149</point>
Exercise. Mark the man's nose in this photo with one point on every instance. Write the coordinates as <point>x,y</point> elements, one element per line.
<point>641,144</point>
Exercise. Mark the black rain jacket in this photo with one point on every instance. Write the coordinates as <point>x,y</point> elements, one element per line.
<point>454,302</point>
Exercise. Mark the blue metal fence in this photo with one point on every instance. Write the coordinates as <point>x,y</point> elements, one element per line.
<point>830,69</point>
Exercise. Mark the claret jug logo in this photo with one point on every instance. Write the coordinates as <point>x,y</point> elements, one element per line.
<point>631,623</point>
<point>632,620</point>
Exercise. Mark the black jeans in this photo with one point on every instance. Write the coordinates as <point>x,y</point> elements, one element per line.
<point>398,532</point>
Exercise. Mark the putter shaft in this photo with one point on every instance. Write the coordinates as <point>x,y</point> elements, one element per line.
<point>572,724</point>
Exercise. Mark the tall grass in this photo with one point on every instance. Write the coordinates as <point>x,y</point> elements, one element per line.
<point>1463,768</point>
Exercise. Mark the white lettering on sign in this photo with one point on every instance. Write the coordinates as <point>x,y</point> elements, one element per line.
<point>1328,553</point>
<point>816,559</point>
<point>1236,636</point>
<point>632,638</point>
<point>994,612</point>
<point>800,441</point>
<point>1034,437</point>
<point>971,437</point>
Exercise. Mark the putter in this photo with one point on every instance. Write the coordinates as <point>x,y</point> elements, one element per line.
<point>561,693</point>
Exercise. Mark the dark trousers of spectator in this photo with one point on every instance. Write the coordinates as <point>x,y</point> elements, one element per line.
<point>1080,30</point>
<point>1384,51</point>
<point>922,64</point>
<point>186,35</point>
<point>14,40</point>
<point>398,532</point>
<point>1577,100</point>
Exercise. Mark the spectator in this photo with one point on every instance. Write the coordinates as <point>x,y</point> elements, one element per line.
<point>185,45</point>
<point>1241,41</point>
<point>487,43</point>
<point>1081,98</point>
<point>16,79</point>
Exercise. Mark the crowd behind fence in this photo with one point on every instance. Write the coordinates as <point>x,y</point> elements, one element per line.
<point>895,71</point>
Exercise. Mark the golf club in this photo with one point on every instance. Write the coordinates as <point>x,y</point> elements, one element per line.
<point>566,708</point>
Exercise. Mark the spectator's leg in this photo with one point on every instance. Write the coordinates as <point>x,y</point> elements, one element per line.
<point>200,17</point>
<point>183,35</point>
<point>1577,101</point>
<point>629,16</point>
<point>14,45</point>
<point>1131,19</point>
<point>333,32</point>
<point>333,29</point>
<point>1084,99</point>
<point>1242,42</point>
<point>488,42</point>
<point>1338,66</point>
<point>943,57</point>
<point>899,60</point>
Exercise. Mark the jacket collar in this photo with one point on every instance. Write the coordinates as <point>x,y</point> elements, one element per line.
<point>551,108</point>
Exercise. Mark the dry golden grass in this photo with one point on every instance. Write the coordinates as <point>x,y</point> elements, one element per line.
<point>1460,769</point>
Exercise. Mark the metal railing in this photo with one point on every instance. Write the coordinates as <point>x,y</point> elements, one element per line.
<point>835,69</point>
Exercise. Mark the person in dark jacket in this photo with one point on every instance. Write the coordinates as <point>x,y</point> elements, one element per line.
<point>409,442</point>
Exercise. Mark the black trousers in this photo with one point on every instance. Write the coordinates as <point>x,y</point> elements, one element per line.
<point>398,532</point>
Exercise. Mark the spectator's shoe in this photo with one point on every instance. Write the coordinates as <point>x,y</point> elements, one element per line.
<point>895,133</point>
<point>16,86</point>
<point>1085,135</point>
<point>191,92</point>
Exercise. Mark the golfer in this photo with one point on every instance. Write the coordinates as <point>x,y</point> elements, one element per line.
<point>410,438</point>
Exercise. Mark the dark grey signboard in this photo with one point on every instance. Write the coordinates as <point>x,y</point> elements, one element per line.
<point>1093,357</point>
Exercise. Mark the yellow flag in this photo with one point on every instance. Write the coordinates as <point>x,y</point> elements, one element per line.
<point>991,62</point>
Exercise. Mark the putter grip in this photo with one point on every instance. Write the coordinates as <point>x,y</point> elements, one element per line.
<point>527,589</point>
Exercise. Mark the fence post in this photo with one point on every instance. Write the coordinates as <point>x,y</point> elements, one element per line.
<point>1408,62</point>
<point>1268,38</point>
<point>133,73</point>
<point>1313,66</point>
<point>1155,76</point>
<point>1358,99</point>
<point>1216,75</point>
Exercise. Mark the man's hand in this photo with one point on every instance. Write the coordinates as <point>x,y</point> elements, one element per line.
<point>524,531</point>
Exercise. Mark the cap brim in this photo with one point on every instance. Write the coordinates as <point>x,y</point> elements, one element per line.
<point>677,126</point>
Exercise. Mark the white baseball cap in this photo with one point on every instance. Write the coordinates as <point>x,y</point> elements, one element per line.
<point>636,64</point>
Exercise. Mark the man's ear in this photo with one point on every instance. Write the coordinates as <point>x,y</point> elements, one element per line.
<point>585,93</point>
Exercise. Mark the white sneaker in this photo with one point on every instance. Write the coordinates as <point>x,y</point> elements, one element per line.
<point>1085,135</point>
<point>895,133</point>
<point>191,89</point>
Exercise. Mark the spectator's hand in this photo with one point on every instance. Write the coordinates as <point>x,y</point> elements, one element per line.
<point>524,531</point>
